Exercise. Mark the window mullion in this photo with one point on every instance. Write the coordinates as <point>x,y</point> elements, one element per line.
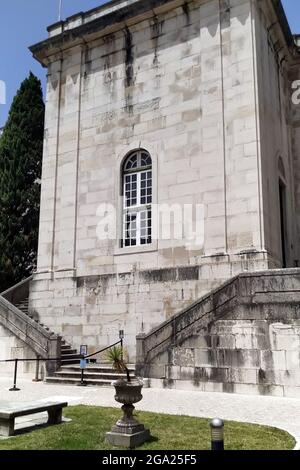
<point>138,228</point>
<point>124,193</point>
<point>124,227</point>
<point>138,188</point>
<point>138,216</point>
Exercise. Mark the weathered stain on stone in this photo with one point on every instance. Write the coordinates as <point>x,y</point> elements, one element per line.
<point>261,375</point>
<point>200,375</point>
<point>148,105</point>
<point>156,32</point>
<point>128,62</point>
<point>228,387</point>
<point>186,10</point>
<point>168,309</point>
<point>88,63</point>
<point>168,383</point>
<point>215,341</point>
<point>191,115</point>
<point>93,282</point>
<point>188,273</point>
<point>159,275</point>
<point>225,12</point>
<point>109,40</point>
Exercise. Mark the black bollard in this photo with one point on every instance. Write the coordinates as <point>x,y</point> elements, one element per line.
<point>14,388</point>
<point>217,434</point>
<point>82,367</point>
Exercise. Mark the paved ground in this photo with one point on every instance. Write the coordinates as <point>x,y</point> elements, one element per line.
<point>283,413</point>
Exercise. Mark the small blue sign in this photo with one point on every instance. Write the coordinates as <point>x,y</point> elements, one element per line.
<point>83,363</point>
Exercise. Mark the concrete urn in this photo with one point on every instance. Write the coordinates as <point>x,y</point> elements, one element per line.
<point>128,393</point>
<point>128,432</point>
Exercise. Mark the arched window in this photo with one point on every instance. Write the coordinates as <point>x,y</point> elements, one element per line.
<point>137,199</point>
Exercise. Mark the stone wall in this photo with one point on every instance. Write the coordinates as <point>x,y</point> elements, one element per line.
<point>177,82</point>
<point>180,85</point>
<point>13,348</point>
<point>243,338</point>
<point>240,356</point>
<point>278,156</point>
<point>294,76</point>
<point>92,309</point>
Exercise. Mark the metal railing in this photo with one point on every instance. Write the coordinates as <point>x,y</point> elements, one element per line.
<point>84,358</point>
<point>39,359</point>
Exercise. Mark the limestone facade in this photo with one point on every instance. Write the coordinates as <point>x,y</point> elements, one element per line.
<point>204,86</point>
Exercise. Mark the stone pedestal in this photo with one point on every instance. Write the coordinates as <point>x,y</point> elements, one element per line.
<point>128,432</point>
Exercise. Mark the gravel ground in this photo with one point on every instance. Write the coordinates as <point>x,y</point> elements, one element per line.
<point>283,413</point>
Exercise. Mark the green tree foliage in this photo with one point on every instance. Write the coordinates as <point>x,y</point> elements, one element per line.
<point>21,147</point>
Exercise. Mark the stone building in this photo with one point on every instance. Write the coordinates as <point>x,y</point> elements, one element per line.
<point>167,119</point>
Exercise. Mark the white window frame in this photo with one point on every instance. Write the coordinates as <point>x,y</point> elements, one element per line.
<point>137,208</point>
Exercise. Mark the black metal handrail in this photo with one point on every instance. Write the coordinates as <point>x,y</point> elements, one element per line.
<point>57,359</point>
<point>105,349</point>
<point>82,356</point>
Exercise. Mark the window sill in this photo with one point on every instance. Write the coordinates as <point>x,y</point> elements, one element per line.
<point>132,250</point>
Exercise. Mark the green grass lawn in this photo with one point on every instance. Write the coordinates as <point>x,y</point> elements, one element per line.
<point>87,431</point>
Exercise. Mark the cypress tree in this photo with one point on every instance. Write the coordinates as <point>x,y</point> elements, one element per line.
<point>21,147</point>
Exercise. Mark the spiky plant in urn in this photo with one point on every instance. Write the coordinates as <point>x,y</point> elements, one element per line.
<point>127,432</point>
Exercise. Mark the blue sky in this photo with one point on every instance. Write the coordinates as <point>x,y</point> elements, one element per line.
<point>24,22</point>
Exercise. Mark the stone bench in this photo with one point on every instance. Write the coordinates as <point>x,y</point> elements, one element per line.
<point>9,412</point>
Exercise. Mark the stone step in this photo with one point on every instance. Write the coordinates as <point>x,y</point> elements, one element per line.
<point>95,368</point>
<point>91,375</point>
<point>66,362</point>
<point>23,309</point>
<point>71,381</point>
<point>69,351</point>
<point>72,355</point>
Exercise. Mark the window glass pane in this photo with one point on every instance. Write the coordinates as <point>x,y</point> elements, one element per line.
<point>132,162</point>
<point>130,229</point>
<point>145,159</point>
<point>131,190</point>
<point>137,160</point>
<point>145,227</point>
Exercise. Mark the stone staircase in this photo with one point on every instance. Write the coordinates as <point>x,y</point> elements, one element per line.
<point>95,374</point>
<point>69,355</point>
<point>243,337</point>
<point>16,318</point>
<point>23,306</point>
